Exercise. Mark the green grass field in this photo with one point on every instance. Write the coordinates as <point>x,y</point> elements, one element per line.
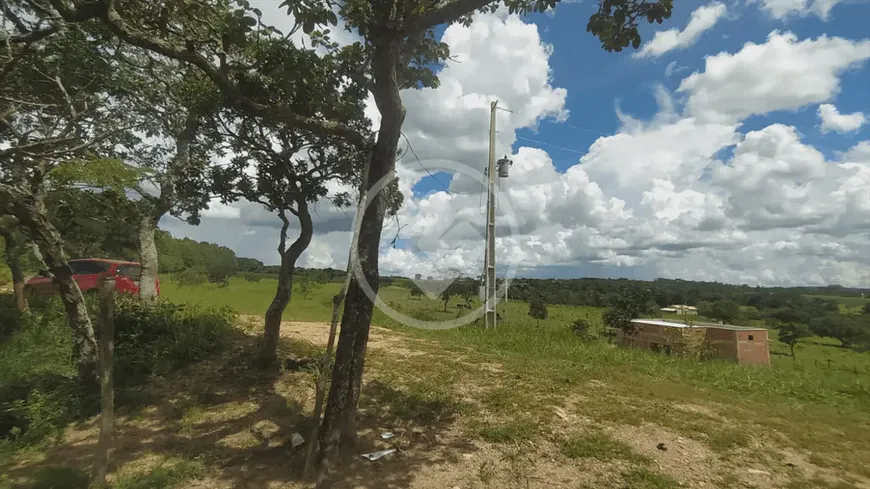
<point>821,372</point>
<point>819,399</point>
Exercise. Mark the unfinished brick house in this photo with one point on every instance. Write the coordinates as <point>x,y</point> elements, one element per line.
<point>740,344</point>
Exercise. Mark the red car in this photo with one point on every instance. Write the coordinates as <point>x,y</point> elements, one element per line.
<point>87,272</point>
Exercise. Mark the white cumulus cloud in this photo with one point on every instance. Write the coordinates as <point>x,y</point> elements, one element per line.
<point>833,120</point>
<point>780,74</point>
<point>780,9</point>
<point>703,19</point>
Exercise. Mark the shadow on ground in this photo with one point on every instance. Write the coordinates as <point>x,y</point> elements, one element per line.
<point>238,423</point>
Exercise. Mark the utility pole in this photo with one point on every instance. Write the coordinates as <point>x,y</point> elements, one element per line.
<point>490,224</point>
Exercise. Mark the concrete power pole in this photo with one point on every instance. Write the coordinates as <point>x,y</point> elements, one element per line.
<point>490,225</point>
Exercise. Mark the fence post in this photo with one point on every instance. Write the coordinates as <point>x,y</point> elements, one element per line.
<point>107,346</point>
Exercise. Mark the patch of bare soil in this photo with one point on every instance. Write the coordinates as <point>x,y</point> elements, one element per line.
<point>318,333</point>
<point>684,459</point>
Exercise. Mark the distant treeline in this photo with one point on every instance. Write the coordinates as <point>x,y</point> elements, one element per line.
<point>596,292</point>
<point>252,266</point>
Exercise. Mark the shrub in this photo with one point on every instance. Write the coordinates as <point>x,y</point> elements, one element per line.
<point>302,286</point>
<point>10,316</point>
<point>39,392</point>
<point>158,337</point>
<point>252,277</point>
<point>219,277</point>
<point>538,310</point>
<point>192,276</point>
<point>581,327</point>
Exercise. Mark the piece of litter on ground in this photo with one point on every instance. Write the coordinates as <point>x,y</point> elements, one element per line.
<point>387,435</point>
<point>377,455</point>
<point>758,472</point>
<point>296,440</point>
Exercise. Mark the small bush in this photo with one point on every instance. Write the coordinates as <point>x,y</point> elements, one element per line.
<point>219,277</point>
<point>39,392</point>
<point>581,328</point>
<point>10,316</point>
<point>158,337</point>
<point>191,276</point>
<point>252,277</point>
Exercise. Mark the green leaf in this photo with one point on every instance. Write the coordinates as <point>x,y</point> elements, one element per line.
<point>249,21</point>
<point>258,12</point>
<point>102,173</point>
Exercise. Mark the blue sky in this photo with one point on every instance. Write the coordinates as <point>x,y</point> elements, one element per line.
<point>598,81</point>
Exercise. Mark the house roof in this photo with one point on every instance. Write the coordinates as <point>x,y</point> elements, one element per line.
<point>660,322</point>
<point>672,324</point>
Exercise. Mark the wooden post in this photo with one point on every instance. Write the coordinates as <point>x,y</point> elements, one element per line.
<point>107,346</point>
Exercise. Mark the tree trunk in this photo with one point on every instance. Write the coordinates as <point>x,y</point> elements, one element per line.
<point>283,293</point>
<point>13,261</point>
<point>31,213</point>
<point>339,418</point>
<point>162,204</point>
<point>148,257</point>
<point>325,364</point>
<point>107,361</point>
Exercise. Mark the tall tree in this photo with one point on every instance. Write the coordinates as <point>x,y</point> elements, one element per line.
<point>57,117</point>
<point>848,329</point>
<point>625,304</point>
<point>721,310</point>
<point>286,171</point>
<point>792,333</point>
<point>174,101</point>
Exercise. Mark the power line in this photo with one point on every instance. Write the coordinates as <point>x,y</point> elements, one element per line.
<point>552,145</point>
<point>576,127</point>
<point>423,166</point>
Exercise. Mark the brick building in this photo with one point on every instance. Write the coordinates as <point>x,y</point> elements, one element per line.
<point>740,344</point>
